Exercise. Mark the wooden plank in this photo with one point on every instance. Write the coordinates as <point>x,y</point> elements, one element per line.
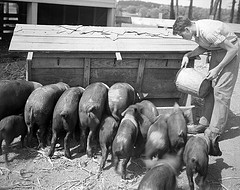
<point>96,45</point>
<point>86,76</point>
<point>140,74</point>
<point>49,76</point>
<point>57,62</point>
<point>134,55</point>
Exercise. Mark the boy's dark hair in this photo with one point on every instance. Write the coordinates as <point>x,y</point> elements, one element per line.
<point>180,24</point>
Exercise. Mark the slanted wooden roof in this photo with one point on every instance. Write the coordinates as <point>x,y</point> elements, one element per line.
<point>90,3</point>
<point>67,38</point>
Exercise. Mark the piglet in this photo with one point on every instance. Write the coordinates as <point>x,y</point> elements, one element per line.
<point>148,113</point>
<point>157,138</point>
<point>163,172</point>
<point>123,143</point>
<point>10,128</point>
<point>177,128</point>
<point>196,159</point>
<point>107,132</point>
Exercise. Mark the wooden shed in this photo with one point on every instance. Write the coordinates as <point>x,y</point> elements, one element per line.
<point>146,58</point>
<point>71,12</point>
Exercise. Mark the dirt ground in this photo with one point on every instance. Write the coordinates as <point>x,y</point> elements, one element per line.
<point>32,169</point>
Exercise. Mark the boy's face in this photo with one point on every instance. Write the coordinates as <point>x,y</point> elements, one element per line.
<point>186,34</point>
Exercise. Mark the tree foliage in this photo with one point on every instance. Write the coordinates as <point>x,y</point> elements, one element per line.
<point>152,10</point>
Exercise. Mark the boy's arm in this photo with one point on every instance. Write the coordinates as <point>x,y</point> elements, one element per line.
<point>196,52</point>
<point>231,53</point>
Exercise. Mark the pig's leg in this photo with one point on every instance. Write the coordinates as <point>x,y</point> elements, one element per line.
<point>53,144</point>
<point>104,156</point>
<point>22,140</point>
<point>200,181</point>
<point>1,140</point>
<point>82,146</point>
<point>40,135</point>
<point>66,145</point>
<point>89,148</point>
<point>8,142</point>
<point>124,167</point>
<point>190,178</point>
<point>115,160</point>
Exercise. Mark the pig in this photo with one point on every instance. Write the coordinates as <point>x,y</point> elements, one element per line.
<point>148,114</point>
<point>91,107</point>
<point>157,138</point>
<point>39,108</point>
<point>65,118</point>
<point>163,172</point>
<point>10,128</point>
<point>13,96</point>
<point>196,159</point>
<point>177,128</point>
<point>120,96</point>
<point>107,132</point>
<point>124,141</point>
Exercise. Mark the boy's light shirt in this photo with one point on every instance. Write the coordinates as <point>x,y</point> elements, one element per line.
<point>210,33</point>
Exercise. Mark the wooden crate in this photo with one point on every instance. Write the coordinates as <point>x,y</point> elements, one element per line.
<point>146,58</point>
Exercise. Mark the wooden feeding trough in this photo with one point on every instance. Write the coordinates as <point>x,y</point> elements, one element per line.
<point>146,58</point>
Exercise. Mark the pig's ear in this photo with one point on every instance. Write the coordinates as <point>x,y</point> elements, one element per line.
<point>90,108</point>
<point>124,112</point>
<point>175,107</point>
<point>216,139</point>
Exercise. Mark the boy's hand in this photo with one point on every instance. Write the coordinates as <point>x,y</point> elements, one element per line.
<point>213,73</point>
<point>185,61</point>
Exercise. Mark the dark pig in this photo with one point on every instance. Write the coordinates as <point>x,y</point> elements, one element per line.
<point>10,128</point>
<point>177,128</point>
<point>148,114</point>
<point>157,138</point>
<point>124,141</point>
<point>107,132</point>
<point>13,96</point>
<point>91,107</point>
<point>65,118</point>
<point>120,96</point>
<point>163,172</point>
<point>196,159</point>
<point>39,108</point>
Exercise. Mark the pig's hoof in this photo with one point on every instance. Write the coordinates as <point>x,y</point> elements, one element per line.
<point>50,154</point>
<point>89,154</point>
<point>68,155</point>
<point>81,149</point>
<point>123,176</point>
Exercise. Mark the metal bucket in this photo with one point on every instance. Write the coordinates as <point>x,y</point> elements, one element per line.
<point>190,81</point>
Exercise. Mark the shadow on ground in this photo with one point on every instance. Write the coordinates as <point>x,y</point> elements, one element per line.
<point>232,129</point>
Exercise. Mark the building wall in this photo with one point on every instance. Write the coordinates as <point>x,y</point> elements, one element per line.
<point>91,3</point>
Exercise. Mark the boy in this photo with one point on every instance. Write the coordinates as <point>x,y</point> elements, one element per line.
<point>216,37</point>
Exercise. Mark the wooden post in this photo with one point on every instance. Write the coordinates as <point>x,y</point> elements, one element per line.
<point>111,17</point>
<point>86,74</point>
<point>29,66</point>
<point>32,13</point>
<point>141,68</point>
